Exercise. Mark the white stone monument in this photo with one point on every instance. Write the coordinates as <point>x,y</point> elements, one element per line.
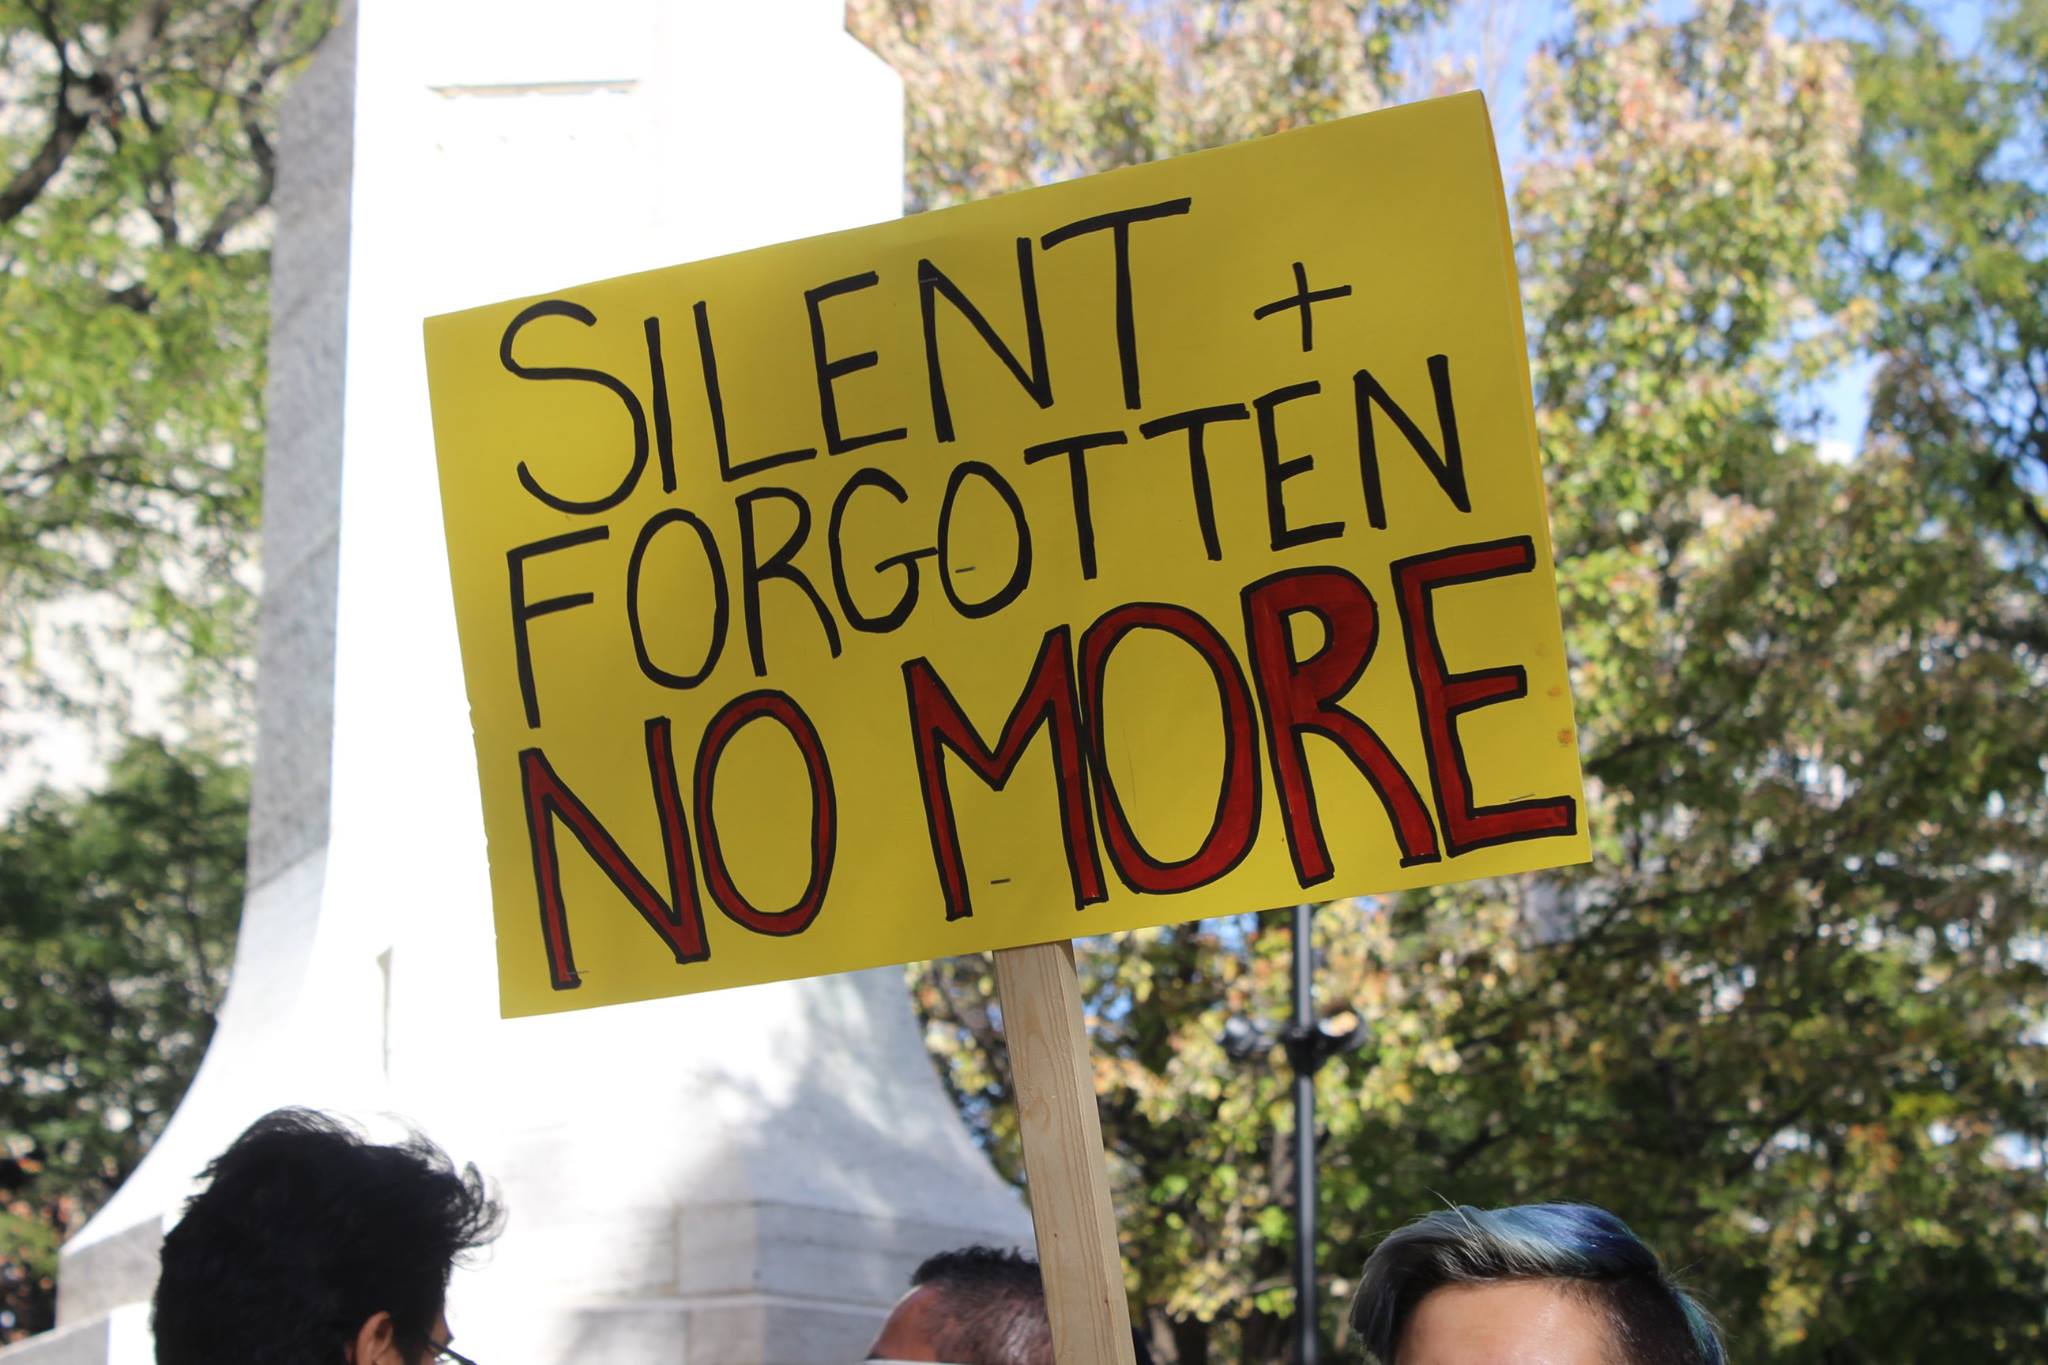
<point>733,1178</point>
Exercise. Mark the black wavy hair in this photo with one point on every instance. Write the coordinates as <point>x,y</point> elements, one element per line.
<point>992,1307</point>
<point>304,1231</point>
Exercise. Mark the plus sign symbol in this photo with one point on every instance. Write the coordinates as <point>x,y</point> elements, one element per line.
<point>1305,299</point>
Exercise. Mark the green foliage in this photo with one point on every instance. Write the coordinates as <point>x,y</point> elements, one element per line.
<point>1789,1022</point>
<point>1001,96</point>
<point>117,921</point>
<point>135,168</point>
<point>1952,240</point>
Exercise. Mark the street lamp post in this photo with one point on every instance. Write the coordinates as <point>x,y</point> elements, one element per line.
<point>1308,1045</point>
<point>1305,1056</point>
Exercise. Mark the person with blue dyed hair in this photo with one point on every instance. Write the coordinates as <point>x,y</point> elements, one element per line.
<point>1536,1284</point>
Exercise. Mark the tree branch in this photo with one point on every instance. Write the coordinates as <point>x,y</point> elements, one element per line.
<point>80,99</point>
<point>67,124</point>
<point>245,206</point>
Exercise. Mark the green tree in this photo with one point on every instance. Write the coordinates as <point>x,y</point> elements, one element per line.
<point>1951,242</point>
<point>136,165</point>
<point>136,171</point>
<point>117,922</point>
<point>1799,984</point>
<point>1002,96</point>
<point>1787,1021</point>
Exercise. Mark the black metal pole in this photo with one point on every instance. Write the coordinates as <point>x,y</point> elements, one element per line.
<point>1305,1346</point>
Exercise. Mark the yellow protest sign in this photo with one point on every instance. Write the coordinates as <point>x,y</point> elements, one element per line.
<point>1167,543</point>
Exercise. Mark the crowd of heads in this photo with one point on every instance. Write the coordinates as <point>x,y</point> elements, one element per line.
<point>310,1245</point>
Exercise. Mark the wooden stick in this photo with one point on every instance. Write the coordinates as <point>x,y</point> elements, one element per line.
<point>1064,1173</point>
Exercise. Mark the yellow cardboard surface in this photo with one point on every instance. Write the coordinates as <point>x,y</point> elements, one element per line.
<point>754,558</point>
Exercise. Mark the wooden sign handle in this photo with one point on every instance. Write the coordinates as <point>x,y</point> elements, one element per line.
<point>1064,1173</point>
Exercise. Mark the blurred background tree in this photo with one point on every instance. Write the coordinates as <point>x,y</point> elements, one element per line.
<point>136,171</point>
<point>1950,239</point>
<point>136,166</point>
<point>1789,1021</point>
<point>1003,96</point>
<point>118,908</point>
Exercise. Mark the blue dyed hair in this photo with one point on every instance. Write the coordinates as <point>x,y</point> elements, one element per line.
<point>1587,1250</point>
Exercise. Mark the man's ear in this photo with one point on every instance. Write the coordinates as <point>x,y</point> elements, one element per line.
<point>376,1342</point>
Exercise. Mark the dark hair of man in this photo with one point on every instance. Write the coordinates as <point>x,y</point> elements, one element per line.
<point>304,1232</point>
<point>992,1306</point>
<point>1585,1251</point>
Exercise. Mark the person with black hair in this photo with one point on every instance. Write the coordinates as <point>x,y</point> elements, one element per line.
<point>975,1306</point>
<point>311,1246</point>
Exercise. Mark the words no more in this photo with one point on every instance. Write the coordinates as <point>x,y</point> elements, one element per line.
<point>1274,706</point>
<point>1270,699</point>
